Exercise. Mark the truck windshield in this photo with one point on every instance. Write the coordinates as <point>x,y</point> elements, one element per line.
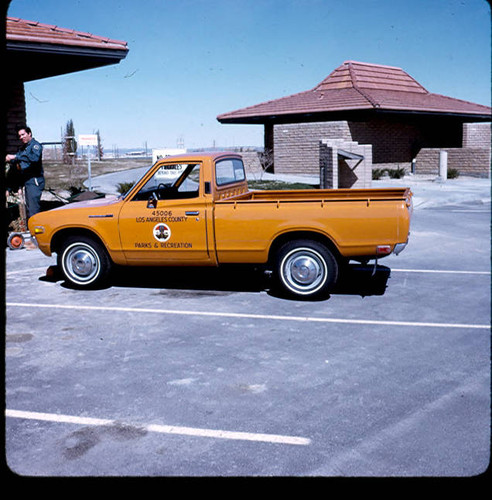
<point>180,180</point>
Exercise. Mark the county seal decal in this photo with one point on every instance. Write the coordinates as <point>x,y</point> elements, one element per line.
<point>162,232</point>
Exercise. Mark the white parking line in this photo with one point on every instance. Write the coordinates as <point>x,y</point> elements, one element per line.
<point>163,429</point>
<point>248,316</point>
<point>439,271</point>
<point>485,211</point>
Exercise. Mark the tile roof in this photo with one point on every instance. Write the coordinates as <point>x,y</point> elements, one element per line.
<point>359,86</point>
<point>352,74</point>
<point>21,30</point>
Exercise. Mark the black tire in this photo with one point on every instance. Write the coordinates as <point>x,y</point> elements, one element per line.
<point>84,262</point>
<point>306,269</point>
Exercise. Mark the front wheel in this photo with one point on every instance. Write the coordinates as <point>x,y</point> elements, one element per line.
<point>84,262</point>
<point>306,269</point>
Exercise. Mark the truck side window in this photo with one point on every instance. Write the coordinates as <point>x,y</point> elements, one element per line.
<point>172,182</point>
<point>229,171</point>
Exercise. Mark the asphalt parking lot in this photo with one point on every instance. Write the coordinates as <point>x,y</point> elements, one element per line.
<point>207,373</point>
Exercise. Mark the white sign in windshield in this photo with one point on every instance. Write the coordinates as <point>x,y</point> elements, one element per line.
<point>170,171</point>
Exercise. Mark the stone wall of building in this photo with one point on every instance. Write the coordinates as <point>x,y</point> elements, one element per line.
<point>338,171</point>
<point>395,142</point>
<point>394,145</point>
<point>296,149</point>
<point>252,165</point>
<point>477,135</point>
<point>473,162</point>
<point>473,159</point>
<point>16,114</point>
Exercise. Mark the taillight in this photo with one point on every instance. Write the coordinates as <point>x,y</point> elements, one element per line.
<point>383,249</point>
<point>409,202</point>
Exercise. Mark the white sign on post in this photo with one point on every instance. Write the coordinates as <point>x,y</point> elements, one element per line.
<point>88,140</point>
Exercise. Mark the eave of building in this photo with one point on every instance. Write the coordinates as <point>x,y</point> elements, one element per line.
<point>34,50</point>
<point>352,115</point>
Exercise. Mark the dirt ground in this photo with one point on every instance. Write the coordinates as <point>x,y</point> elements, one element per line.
<point>61,177</point>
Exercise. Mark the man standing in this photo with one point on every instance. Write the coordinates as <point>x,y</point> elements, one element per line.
<point>29,163</point>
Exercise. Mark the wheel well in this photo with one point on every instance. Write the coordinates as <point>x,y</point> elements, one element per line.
<point>303,235</point>
<point>62,235</point>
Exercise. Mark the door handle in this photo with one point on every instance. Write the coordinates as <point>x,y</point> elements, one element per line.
<point>192,213</point>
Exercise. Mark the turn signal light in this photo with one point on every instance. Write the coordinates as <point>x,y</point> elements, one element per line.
<point>38,229</point>
<point>383,249</point>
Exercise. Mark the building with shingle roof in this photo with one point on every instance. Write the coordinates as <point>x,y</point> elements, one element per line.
<point>35,50</point>
<point>373,104</point>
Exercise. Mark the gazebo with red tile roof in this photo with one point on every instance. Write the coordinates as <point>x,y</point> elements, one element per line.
<point>368,103</point>
<point>361,88</point>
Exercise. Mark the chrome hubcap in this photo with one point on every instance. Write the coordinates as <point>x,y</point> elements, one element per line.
<point>81,263</point>
<point>304,270</point>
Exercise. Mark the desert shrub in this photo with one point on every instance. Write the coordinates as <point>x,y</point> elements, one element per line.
<point>396,173</point>
<point>453,173</point>
<point>377,173</point>
<point>123,187</point>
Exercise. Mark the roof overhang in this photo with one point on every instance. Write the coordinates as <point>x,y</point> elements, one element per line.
<point>34,50</point>
<point>32,61</point>
<point>352,115</point>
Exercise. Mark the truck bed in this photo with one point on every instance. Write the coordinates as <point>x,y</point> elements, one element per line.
<point>321,195</point>
<point>355,220</point>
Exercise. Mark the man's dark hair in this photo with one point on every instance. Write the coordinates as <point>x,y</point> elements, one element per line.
<point>23,127</point>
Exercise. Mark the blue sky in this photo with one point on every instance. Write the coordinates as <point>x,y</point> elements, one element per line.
<point>191,60</point>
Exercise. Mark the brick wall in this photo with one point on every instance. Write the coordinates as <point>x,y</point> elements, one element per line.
<point>338,171</point>
<point>474,162</point>
<point>16,114</point>
<point>473,159</point>
<point>476,135</point>
<point>252,165</point>
<point>394,144</point>
<point>397,142</point>
<point>297,149</point>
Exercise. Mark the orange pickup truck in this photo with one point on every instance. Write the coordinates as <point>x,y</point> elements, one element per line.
<point>197,210</point>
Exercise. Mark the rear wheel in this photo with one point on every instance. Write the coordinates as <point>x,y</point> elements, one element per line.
<point>84,262</point>
<point>306,269</point>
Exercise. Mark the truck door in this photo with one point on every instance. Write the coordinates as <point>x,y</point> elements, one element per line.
<point>166,220</point>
